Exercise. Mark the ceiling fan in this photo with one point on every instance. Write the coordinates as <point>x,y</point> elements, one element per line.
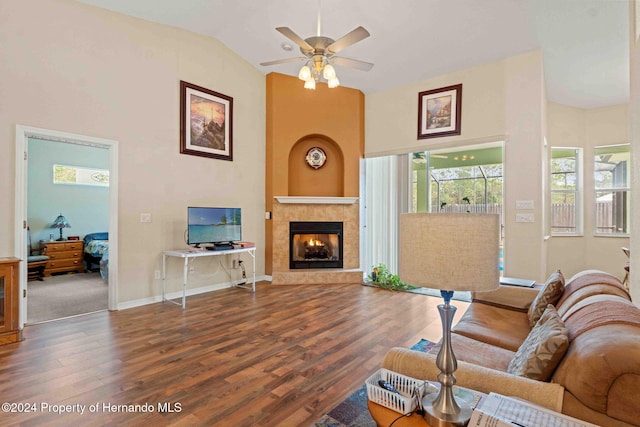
<point>319,54</point>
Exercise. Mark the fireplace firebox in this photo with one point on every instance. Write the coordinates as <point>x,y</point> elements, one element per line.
<point>315,245</point>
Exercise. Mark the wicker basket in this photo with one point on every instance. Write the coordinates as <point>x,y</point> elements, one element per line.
<point>410,391</point>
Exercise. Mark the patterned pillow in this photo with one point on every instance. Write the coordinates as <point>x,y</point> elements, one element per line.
<point>550,294</point>
<point>543,349</point>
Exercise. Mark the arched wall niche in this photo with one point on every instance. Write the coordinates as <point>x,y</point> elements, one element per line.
<point>327,181</point>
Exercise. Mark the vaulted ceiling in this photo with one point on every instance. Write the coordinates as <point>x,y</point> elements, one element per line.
<point>585,43</point>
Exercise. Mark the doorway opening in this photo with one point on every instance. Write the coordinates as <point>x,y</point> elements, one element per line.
<point>35,170</point>
<point>463,179</point>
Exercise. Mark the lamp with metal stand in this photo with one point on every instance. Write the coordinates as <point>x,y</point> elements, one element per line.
<point>60,222</point>
<point>450,252</point>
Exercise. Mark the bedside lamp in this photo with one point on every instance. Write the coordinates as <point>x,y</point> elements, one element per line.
<point>60,222</point>
<point>450,252</point>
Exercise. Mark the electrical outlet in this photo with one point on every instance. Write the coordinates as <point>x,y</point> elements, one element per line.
<point>157,274</point>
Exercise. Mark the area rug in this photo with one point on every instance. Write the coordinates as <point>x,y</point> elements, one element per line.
<point>353,412</point>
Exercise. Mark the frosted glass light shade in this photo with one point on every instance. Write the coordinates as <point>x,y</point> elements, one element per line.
<point>334,82</point>
<point>329,72</point>
<point>310,84</point>
<point>305,73</point>
<point>453,252</point>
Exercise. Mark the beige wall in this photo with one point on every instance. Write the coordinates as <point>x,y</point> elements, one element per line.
<point>391,116</point>
<point>78,69</point>
<point>501,101</point>
<point>575,127</point>
<point>634,60</point>
<point>525,124</point>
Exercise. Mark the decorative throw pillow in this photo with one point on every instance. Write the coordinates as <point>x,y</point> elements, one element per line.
<point>550,294</point>
<point>543,349</point>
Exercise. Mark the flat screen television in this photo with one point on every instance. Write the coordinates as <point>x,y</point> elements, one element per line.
<point>218,226</point>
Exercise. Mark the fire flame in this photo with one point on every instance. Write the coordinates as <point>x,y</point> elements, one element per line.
<point>313,242</point>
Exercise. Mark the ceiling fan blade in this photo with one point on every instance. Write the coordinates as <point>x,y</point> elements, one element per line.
<point>352,63</point>
<point>347,40</point>
<point>288,33</point>
<point>284,61</point>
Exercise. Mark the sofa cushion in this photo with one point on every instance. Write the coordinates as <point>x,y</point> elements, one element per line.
<point>550,294</point>
<point>477,352</point>
<point>586,284</point>
<point>493,325</point>
<point>601,370</point>
<point>543,349</point>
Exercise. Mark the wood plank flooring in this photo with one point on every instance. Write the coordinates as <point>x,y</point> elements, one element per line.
<point>283,356</point>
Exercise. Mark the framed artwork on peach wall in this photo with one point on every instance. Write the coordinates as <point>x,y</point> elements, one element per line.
<point>206,122</point>
<point>439,112</point>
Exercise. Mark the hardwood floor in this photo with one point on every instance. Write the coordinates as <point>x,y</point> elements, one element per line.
<point>283,356</point>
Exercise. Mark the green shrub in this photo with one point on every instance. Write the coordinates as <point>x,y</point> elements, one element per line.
<point>382,277</point>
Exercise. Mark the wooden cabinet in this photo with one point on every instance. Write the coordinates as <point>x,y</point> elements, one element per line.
<point>9,301</point>
<point>64,256</point>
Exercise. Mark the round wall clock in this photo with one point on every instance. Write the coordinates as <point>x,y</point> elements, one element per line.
<point>316,157</point>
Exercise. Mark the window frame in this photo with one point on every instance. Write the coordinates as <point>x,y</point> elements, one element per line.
<point>578,193</point>
<point>90,171</point>
<point>613,189</point>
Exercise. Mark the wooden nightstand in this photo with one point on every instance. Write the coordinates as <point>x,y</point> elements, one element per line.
<point>64,256</point>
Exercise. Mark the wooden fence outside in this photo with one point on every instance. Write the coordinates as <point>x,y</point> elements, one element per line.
<point>562,215</point>
<point>479,208</point>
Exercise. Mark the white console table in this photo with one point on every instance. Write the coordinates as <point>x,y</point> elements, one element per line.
<point>189,254</point>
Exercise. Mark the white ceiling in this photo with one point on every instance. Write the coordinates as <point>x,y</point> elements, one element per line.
<point>585,43</point>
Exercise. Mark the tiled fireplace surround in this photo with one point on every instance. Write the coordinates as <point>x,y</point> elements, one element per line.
<point>344,209</point>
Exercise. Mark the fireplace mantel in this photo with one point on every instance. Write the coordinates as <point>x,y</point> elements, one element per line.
<point>302,200</point>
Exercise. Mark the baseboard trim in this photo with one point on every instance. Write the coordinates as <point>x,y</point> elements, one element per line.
<point>178,294</point>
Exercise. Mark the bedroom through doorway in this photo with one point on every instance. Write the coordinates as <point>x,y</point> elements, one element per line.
<point>68,205</point>
<point>67,202</point>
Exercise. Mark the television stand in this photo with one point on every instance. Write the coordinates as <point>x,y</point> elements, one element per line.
<point>189,255</point>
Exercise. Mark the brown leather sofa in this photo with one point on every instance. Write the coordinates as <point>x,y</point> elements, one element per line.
<point>597,379</point>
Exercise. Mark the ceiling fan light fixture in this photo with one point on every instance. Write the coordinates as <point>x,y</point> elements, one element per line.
<point>329,72</point>
<point>310,84</point>
<point>305,73</point>
<point>317,51</point>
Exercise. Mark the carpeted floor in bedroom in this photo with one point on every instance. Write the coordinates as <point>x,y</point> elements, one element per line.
<point>65,295</point>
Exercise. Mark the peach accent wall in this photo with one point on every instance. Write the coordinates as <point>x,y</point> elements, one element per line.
<point>327,181</point>
<point>298,119</point>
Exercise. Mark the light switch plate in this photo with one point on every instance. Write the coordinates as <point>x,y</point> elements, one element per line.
<point>524,204</point>
<point>145,217</point>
